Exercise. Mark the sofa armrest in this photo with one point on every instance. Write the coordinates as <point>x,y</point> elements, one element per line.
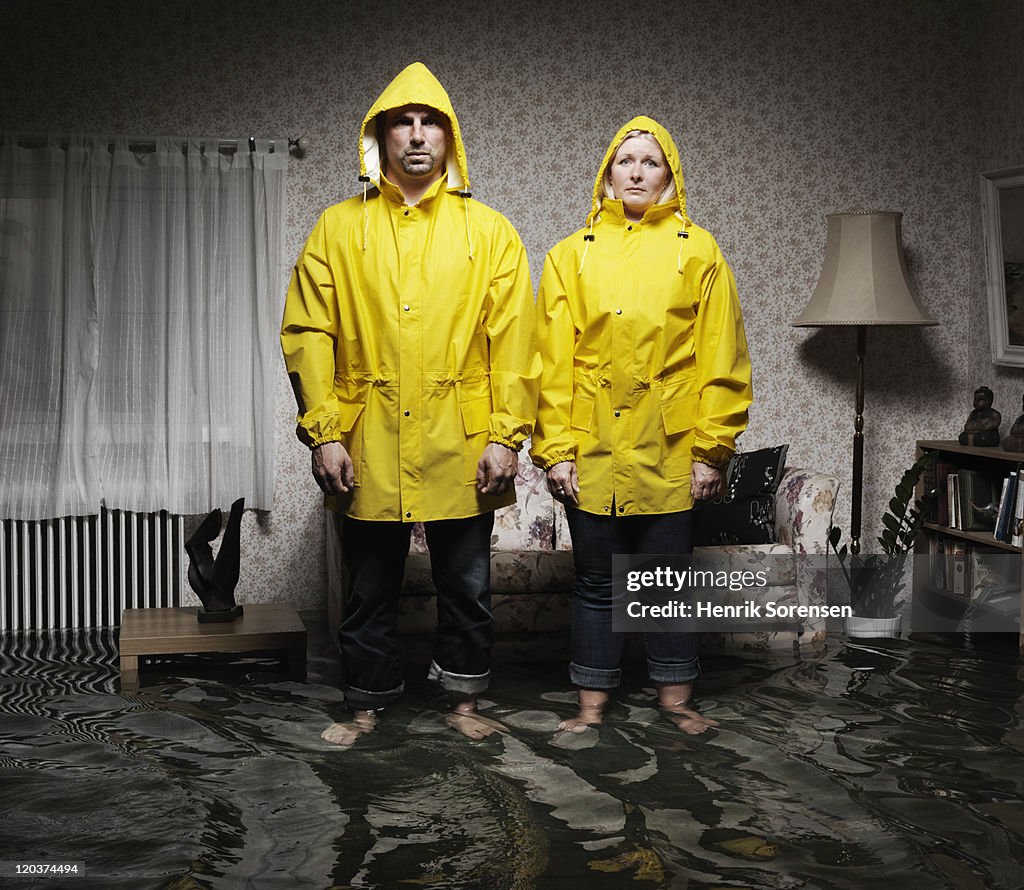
<point>804,503</point>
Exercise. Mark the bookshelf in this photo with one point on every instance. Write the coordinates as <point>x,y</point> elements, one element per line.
<point>948,588</point>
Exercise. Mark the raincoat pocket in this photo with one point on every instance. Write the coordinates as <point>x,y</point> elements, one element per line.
<point>678,417</point>
<point>351,437</point>
<point>476,421</point>
<point>582,413</point>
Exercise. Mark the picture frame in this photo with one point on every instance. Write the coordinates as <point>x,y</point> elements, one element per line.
<point>1003,228</point>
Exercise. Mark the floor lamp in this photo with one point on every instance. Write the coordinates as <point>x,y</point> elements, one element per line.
<point>863,283</point>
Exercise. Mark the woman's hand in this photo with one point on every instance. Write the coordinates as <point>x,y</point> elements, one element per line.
<point>563,483</point>
<point>705,481</point>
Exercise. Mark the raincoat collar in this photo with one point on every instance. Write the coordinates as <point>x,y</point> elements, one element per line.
<point>394,194</point>
<point>668,146</point>
<point>415,85</point>
<point>612,210</point>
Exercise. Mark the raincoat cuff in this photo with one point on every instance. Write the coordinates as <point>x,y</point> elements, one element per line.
<point>321,434</point>
<point>559,458</point>
<point>717,457</point>
<point>508,443</point>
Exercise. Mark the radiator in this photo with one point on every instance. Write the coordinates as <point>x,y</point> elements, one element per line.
<point>81,571</point>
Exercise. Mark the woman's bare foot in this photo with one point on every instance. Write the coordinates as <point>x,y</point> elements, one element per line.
<point>346,733</point>
<point>591,713</point>
<point>687,719</point>
<point>675,701</point>
<point>463,717</point>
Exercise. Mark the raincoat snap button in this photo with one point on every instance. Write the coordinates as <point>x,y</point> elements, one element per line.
<point>616,413</point>
<point>407,515</point>
<point>618,312</point>
<point>406,212</point>
<point>406,413</point>
<point>621,509</point>
<point>406,307</point>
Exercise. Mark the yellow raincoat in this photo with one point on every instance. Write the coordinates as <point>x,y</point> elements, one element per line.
<point>408,332</point>
<point>645,365</point>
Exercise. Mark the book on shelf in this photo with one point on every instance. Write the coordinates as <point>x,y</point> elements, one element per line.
<point>941,469</point>
<point>971,571</point>
<point>930,483</point>
<point>1007,503</point>
<point>958,585</point>
<point>1017,533</point>
<point>939,572</point>
<point>953,500</point>
<point>979,500</point>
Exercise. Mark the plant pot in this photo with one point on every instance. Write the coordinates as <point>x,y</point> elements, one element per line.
<point>866,628</point>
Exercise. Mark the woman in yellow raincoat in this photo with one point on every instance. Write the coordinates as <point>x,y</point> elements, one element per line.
<point>644,389</point>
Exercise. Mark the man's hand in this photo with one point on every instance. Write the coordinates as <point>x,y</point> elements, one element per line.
<point>563,483</point>
<point>705,481</point>
<point>496,470</point>
<point>332,468</point>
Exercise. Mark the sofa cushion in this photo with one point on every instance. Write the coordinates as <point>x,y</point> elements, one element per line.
<point>745,512</point>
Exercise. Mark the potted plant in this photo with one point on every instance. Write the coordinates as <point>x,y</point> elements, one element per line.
<point>876,581</point>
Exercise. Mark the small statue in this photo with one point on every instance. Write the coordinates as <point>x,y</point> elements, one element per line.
<point>982,426</point>
<point>214,581</point>
<point>1015,441</point>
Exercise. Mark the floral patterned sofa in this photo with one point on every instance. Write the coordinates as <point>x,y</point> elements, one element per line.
<point>532,570</point>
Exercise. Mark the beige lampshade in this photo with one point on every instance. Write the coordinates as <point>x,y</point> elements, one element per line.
<point>864,277</point>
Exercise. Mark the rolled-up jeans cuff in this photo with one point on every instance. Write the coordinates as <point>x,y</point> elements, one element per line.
<point>594,678</point>
<point>469,683</point>
<point>680,672</point>
<point>365,700</point>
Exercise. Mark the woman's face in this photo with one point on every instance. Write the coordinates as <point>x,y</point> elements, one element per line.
<point>639,174</point>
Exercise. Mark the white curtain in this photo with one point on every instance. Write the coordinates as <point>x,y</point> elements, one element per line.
<point>139,304</point>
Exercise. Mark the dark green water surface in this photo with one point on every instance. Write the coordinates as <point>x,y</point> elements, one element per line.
<point>893,764</point>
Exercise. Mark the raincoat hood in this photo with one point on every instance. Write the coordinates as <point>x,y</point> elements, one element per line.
<point>415,85</point>
<point>668,147</point>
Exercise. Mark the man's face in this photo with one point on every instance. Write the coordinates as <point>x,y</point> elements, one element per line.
<point>415,140</point>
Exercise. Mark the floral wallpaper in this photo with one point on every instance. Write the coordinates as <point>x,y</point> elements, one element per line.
<point>783,112</point>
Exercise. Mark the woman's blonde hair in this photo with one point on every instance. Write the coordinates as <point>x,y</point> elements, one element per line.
<point>670,188</point>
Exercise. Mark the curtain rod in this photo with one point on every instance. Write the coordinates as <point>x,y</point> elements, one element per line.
<point>297,146</point>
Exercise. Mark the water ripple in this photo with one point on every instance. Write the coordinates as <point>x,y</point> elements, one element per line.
<point>897,761</point>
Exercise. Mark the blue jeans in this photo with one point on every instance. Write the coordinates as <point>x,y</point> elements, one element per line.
<point>460,561</point>
<point>596,648</point>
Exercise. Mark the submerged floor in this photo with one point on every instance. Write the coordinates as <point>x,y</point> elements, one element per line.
<point>893,762</point>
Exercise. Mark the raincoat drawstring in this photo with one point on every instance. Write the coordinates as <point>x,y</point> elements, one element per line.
<point>465,203</point>
<point>587,238</point>
<point>366,213</point>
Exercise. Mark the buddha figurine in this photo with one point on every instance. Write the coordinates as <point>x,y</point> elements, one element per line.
<point>1015,441</point>
<point>982,426</point>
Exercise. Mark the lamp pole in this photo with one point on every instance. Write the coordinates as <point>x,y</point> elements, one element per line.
<point>858,443</point>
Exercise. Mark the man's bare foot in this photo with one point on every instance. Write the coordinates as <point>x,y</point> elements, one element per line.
<point>473,725</point>
<point>688,719</point>
<point>346,733</point>
<point>591,713</point>
<point>463,717</point>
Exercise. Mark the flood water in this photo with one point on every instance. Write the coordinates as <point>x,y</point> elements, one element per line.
<point>895,762</point>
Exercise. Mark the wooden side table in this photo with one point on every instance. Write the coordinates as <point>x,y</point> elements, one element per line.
<point>176,631</point>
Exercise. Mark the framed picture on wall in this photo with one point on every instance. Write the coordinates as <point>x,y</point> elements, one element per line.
<point>1003,225</point>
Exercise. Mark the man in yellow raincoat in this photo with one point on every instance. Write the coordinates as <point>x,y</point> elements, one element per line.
<point>409,340</point>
